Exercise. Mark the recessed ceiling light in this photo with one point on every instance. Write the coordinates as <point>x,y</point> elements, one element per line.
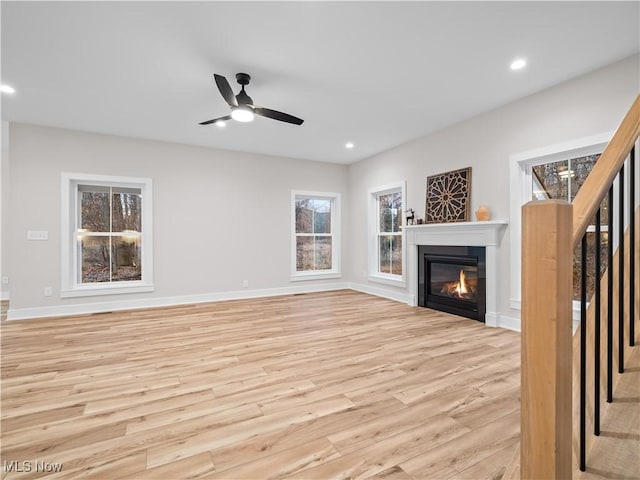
<point>7,89</point>
<point>221,123</point>
<point>518,64</point>
<point>349,145</point>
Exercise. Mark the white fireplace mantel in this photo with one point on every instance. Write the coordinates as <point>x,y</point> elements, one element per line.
<point>474,234</point>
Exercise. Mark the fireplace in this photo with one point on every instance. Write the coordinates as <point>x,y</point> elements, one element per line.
<point>484,235</point>
<point>453,279</point>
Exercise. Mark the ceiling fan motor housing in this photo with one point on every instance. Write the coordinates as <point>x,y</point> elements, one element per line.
<point>243,78</point>
<point>242,97</point>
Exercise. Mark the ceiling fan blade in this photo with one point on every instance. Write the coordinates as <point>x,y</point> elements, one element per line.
<point>225,90</point>
<point>222,119</point>
<point>283,117</point>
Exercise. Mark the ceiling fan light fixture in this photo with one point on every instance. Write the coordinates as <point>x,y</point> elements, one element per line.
<point>518,64</point>
<point>220,123</point>
<point>242,114</point>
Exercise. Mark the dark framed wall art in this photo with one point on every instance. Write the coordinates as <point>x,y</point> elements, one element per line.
<point>448,197</point>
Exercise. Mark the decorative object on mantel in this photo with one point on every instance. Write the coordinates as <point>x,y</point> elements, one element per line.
<point>448,197</point>
<point>483,213</point>
<point>410,216</point>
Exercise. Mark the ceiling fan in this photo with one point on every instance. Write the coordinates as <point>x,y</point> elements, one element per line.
<point>242,106</point>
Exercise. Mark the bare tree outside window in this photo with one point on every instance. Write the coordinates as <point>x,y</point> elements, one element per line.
<point>314,241</point>
<point>109,234</point>
<point>562,180</point>
<point>389,234</point>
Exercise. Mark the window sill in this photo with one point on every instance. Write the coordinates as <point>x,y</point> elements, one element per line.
<point>90,291</point>
<point>395,280</point>
<point>300,277</point>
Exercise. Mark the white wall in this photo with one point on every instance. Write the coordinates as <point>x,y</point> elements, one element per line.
<point>220,217</point>
<point>592,104</point>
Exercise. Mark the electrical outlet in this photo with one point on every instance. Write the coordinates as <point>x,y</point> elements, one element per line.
<point>48,291</point>
<point>5,280</point>
<point>245,284</point>
<point>37,235</point>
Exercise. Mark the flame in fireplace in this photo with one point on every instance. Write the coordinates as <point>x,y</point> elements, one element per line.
<point>461,286</point>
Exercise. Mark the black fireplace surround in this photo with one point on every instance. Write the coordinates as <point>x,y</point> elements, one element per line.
<point>453,279</point>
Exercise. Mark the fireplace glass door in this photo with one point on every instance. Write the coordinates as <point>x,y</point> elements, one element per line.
<point>449,278</point>
<point>453,279</point>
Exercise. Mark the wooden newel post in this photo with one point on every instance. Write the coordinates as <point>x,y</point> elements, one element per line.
<point>547,264</point>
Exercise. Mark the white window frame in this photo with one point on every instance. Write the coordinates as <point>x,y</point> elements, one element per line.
<point>336,242</point>
<point>374,275</point>
<point>70,287</point>
<point>521,191</point>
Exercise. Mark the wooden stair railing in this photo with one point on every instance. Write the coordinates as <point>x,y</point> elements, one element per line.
<point>550,231</point>
<point>604,172</point>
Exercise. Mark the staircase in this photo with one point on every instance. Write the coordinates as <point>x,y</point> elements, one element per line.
<point>615,452</point>
<point>579,414</point>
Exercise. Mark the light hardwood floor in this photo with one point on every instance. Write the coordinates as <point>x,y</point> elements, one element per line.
<point>316,386</point>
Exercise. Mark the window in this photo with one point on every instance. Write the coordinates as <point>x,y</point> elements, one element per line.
<point>386,259</point>
<point>389,241</point>
<point>316,242</point>
<point>557,171</point>
<point>106,235</point>
<point>561,180</point>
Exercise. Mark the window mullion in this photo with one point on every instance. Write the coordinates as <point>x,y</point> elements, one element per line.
<point>110,234</point>
<point>378,256</point>
<point>313,230</point>
<point>78,243</point>
<point>569,180</point>
<point>331,233</point>
<point>390,255</point>
<point>379,230</point>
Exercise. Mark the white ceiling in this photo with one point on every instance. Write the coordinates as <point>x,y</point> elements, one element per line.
<point>377,73</point>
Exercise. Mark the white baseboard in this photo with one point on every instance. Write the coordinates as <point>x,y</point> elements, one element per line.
<point>491,319</point>
<point>98,307</point>
<point>509,323</point>
<point>382,292</point>
<point>494,320</point>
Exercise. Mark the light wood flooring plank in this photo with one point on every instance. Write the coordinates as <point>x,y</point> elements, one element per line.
<point>292,461</point>
<point>393,473</point>
<point>388,452</point>
<point>467,450</point>
<point>215,438</point>
<point>267,444</point>
<point>196,466</point>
